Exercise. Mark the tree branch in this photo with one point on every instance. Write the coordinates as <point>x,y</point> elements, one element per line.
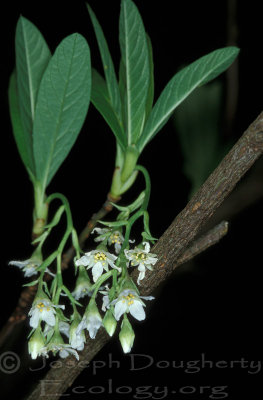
<point>173,243</point>
<point>205,241</point>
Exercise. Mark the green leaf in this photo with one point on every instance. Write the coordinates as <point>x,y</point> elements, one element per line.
<point>100,99</point>
<point>32,57</point>
<point>197,123</point>
<point>32,283</point>
<point>109,71</point>
<point>123,94</point>
<point>134,53</point>
<point>150,95</point>
<point>22,138</point>
<point>56,217</point>
<point>182,84</point>
<point>63,101</point>
<point>114,224</point>
<point>148,236</point>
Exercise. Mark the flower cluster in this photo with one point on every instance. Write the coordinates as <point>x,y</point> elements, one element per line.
<point>108,265</point>
<point>48,338</point>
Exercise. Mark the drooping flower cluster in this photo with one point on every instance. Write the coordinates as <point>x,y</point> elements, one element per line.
<point>47,318</point>
<point>116,302</point>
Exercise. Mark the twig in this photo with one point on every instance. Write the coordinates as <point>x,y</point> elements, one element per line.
<point>175,240</point>
<point>28,294</point>
<point>201,244</point>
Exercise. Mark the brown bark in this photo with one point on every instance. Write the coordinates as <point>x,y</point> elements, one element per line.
<point>174,242</point>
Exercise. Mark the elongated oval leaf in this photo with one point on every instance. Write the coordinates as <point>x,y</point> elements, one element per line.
<point>62,104</point>
<point>100,99</point>
<point>182,84</point>
<point>109,71</point>
<point>134,53</point>
<point>22,138</point>
<point>32,57</point>
<point>123,93</point>
<point>150,95</point>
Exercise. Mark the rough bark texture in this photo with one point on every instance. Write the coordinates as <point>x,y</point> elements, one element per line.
<point>204,203</point>
<point>174,242</point>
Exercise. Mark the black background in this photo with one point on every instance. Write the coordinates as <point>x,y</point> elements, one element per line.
<point>212,307</point>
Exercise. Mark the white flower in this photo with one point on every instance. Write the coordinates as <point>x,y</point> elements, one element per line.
<point>29,267</point>
<point>82,289</point>
<point>129,301</point>
<point>83,285</point>
<point>76,340</point>
<point>64,350</point>
<point>91,320</point>
<point>113,237</point>
<point>98,260</point>
<point>105,297</point>
<point>57,344</point>
<point>43,310</point>
<point>117,239</point>
<point>64,328</point>
<point>105,302</point>
<point>143,258</point>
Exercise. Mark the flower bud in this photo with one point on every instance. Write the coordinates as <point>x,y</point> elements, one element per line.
<point>126,335</point>
<point>36,343</point>
<point>83,285</point>
<point>109,322</point>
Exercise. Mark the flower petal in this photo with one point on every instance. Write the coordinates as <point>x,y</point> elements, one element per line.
<point>82,325</point>
<point>48,317</point>
<point>30,271</point>
<point>93,324</point>
<point>137,311</point>
<point>35,316</point>
<point>141,276</point>
<point>146,247</point>
<point>84,260</point>
<point>119,309</point>
<point>147,297</point>
<point>97,271</point>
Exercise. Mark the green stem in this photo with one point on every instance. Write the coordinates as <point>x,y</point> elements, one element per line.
<point>40,210</point>
<point>65,202</point>
<point>71,298</point>
<point>132,220</point>
<point>146,175</point>
<point>99,282</point>
<point>141,212</point>
<point>59,273</point>
<point>69,230</point>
